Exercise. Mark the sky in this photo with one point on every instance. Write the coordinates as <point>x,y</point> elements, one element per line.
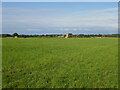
<point>60,17</point>
<point>60,1</point>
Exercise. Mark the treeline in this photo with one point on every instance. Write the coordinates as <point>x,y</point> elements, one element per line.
<point>98,35</point>
<point>25,36</point>
<point>61,35</point>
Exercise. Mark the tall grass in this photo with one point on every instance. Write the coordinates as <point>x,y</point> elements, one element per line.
<point>60,63</point>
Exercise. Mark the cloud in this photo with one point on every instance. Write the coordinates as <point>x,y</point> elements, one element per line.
<point>95,21</point>
<point>24,11</point>
<point>106,10</point>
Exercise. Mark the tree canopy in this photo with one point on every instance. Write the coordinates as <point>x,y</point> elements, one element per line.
<point>15,34</point>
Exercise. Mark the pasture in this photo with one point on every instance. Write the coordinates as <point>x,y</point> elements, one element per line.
<point>60,63</point>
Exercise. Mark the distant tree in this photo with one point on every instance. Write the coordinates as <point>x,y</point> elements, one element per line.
<point>6,35</point>
<point>15,34</point>
<point>81,35</point>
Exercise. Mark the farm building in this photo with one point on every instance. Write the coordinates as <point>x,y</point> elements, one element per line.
<point>15,36</point>
<point>68,35</point>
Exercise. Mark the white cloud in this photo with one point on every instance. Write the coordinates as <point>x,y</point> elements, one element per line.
<point>96,21</point>
<point>21,10</point>
<point>106,10</point>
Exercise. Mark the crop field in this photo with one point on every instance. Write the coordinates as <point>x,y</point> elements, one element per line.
<point>60,63</point>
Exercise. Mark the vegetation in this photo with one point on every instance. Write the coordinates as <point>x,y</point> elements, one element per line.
<point>60,63</point>
<point>57,35</point>
<point>15,34</point>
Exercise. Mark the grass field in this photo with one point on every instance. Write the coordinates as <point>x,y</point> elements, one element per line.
<point>60,63</point>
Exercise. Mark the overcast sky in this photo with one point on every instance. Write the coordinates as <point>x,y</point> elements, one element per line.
<point>60,17</point>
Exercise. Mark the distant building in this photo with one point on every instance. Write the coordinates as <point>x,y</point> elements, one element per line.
<point>68,35</point>
<point>15,37</point>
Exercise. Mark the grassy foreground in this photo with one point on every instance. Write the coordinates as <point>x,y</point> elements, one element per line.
<point>60,63</point>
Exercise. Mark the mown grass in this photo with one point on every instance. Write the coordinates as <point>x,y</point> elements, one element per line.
<point>60,63</point>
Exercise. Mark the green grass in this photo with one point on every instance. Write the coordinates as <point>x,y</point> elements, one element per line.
<point>60,63</point>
